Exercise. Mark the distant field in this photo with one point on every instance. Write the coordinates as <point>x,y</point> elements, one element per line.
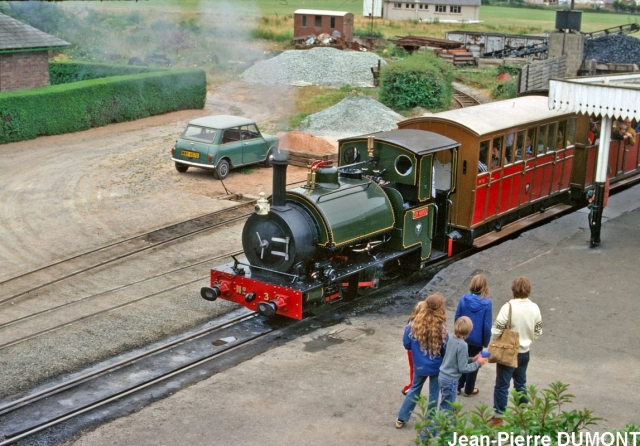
<point>493,18</point>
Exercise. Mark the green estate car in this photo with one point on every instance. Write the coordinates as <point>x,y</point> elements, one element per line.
<point>222,143</point>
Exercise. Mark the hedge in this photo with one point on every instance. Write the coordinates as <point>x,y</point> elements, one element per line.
<point>420,80</point>
<point>72,107</point>
<point>67,72</point>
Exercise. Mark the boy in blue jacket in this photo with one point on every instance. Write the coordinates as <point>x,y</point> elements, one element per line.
<point>476,305</point>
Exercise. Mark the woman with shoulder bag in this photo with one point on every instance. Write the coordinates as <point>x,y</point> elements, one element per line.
<point>527,322</point>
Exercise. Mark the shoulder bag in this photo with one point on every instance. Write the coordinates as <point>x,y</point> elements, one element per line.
<point>504,350</point>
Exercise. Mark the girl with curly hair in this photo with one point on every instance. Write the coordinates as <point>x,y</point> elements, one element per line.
<point>426,338</point>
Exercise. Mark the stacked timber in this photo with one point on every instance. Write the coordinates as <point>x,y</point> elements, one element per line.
<point>303,159</point>
<point>457,57</point>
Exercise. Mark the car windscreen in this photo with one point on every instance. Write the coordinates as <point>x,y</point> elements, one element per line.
<point>200,134</point>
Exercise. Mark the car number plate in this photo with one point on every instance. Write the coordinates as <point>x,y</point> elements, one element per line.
<point>190,154</point>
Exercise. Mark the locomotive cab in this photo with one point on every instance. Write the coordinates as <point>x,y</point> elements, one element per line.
<point>418,180</point>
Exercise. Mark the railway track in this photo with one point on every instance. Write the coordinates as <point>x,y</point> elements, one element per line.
<point>463,100</point>
<point>16,287</point>
<point>12,333</point>
<point>146,371</point>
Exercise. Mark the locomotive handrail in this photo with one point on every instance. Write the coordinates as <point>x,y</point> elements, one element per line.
<point>364,186</point>
<point>237,262</point>
<point>360,163</point>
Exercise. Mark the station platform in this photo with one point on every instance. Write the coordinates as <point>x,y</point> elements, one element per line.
<point>341,385</point>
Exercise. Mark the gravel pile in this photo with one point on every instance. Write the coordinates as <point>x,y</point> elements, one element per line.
<point>613,48</point>
<point>317,66</point>
<point>350,117</point>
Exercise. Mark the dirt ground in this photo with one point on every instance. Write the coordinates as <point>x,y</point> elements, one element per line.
<point>67,193</point>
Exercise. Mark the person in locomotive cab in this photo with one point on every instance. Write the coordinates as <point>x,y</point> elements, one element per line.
<point>427,338</point>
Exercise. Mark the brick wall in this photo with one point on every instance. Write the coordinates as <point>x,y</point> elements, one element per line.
<point>19,71</point>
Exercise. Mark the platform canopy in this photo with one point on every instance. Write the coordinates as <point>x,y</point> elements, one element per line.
<point>611,96</point>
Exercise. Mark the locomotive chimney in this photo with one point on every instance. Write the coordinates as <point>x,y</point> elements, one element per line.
<point>279,183</point>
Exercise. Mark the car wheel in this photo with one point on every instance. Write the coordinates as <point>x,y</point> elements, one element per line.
<point>268,161</point>
<point>182,168</point>
<point>222,169</point>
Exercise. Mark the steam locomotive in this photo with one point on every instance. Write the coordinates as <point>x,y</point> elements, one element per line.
<point>399,200</point>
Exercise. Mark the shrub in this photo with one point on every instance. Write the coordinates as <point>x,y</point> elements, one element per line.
<point>421,80</point>
<point>544,415</point>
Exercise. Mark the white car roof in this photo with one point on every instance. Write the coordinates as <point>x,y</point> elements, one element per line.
<point>221,121</point>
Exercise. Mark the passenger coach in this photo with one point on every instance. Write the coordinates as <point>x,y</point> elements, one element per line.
<point>516,159</point>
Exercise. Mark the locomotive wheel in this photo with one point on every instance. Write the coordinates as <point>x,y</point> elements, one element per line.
<point>222,169</point>
<point>182,168</point>
<point>268,161</point>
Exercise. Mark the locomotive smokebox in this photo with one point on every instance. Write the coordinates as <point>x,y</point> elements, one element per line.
<point>279,183</point>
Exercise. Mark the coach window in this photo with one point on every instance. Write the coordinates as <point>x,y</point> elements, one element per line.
<point>520,145</point>
<point>530,143</point>
<point>542,139</point>
<point>496,153</point>
<point>571,131</point>
<point>562,141</point>
<point>484,153</point>
<point>318,21</point>
<point>509,147</point>
<point>304,21</point>
<point>553,138</point>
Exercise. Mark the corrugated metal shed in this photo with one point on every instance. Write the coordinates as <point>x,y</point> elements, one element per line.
<point>16,36</point>
<point>493,116</point>
<point>613,96</point>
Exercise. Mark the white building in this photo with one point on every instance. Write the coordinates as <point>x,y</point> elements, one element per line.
<point>432,10</point>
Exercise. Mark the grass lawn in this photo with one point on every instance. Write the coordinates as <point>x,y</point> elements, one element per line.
<point>493,18</point>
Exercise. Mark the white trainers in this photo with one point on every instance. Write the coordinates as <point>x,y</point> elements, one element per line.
<point>399,424</point>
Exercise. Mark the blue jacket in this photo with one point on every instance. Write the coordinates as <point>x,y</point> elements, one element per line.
<point>480,312</point>
<point>422,364</point>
